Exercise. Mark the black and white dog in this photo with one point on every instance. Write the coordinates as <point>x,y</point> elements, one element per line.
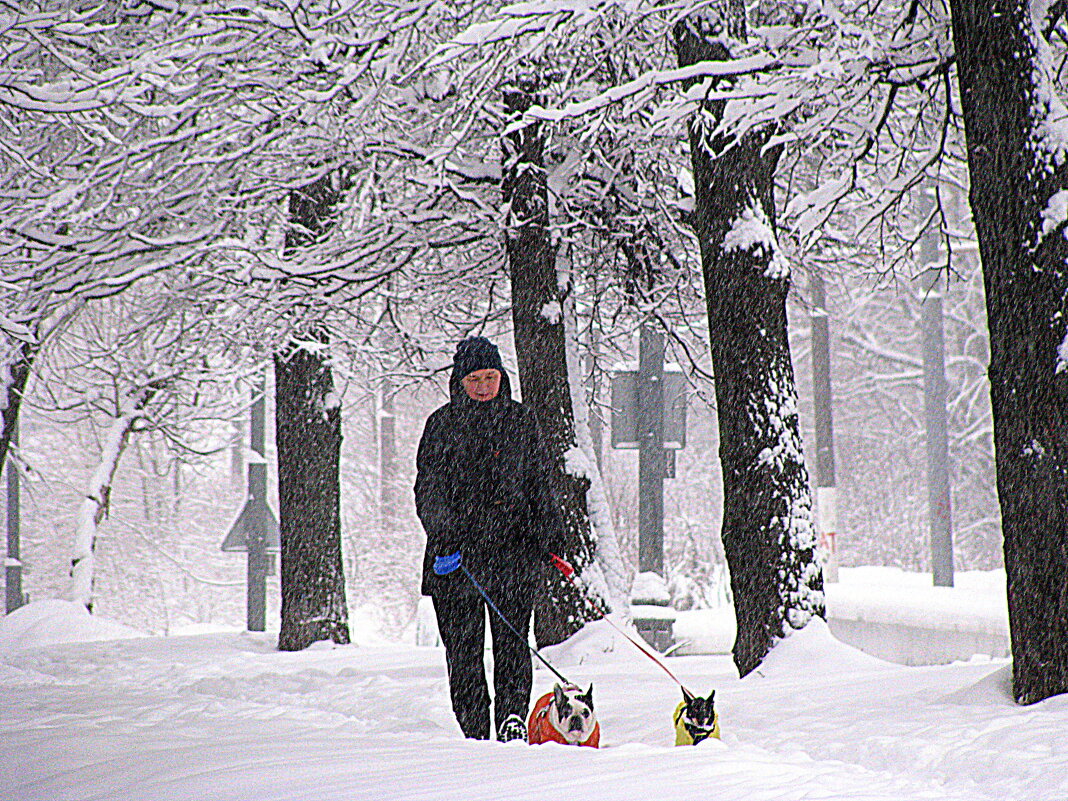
<point>564,716</point>
<point>696,718</point>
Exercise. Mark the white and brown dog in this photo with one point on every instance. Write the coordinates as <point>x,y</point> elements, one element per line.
<point>564,716</point>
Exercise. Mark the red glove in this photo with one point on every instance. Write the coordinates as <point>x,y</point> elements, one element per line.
<point>562,565</point>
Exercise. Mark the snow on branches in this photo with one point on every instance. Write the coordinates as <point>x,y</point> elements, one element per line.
<point>1049,112</point>
<point>140,136</point>
<point>859,96</point>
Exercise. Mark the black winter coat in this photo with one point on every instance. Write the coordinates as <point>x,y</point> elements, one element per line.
<point>483,487</point>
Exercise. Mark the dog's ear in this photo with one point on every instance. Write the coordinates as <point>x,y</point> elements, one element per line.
<point>587,699</point>
<point>559,696</point>
<point>711,698</point>
<point>687,696</point>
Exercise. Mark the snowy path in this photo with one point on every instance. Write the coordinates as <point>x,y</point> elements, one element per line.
<point>225,717</point>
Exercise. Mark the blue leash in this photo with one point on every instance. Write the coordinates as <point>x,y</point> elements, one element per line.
<point>515,631</point>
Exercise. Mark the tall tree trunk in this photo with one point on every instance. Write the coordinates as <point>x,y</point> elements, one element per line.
<point>768,536</point>
<point>97,500</point>
<point>1013,122</point>
<point>308,439</point>
<point>308,442</point>
<point>537,315</point>
<point>14,377</point>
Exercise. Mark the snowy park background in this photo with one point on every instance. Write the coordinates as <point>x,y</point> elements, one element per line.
<point>195,708</point>
<point>191,192</point>
<point>192,707</point>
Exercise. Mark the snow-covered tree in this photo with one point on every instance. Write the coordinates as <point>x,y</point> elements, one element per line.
<point>768,536</point>
<point>163,137</point>
<point>308,439</point>
<point>136,362</point>
<point>538,299</point>
<point>308,426</point>
<point>1015,126</point>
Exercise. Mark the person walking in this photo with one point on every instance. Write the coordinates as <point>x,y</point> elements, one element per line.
<point>483,494</point>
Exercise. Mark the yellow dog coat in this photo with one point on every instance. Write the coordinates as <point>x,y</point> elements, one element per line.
<point>682,736</point>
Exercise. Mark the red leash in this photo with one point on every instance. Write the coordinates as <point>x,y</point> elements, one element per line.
<point>569,572</point>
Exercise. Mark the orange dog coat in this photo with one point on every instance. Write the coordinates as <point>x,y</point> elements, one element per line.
<point>541,730</point>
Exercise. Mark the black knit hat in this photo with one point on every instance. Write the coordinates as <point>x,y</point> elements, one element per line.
<point>476,353</point>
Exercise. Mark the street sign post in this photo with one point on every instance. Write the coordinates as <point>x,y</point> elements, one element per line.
<point>649,413</point>
<point>255,529</point>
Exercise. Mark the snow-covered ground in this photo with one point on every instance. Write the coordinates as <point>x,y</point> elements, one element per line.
<point>891,613</point>
<point>221,716</point>
<point>975,602</point>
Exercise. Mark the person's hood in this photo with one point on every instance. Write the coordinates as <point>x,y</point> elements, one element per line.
<point>476,353</point>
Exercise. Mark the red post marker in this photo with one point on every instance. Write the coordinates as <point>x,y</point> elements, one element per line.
<point>562,565</point>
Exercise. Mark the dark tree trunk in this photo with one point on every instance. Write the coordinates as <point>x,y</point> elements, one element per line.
<point>768,536</point>
<point>1015,171</point>
<point>12,397</point>
<point>308,432</point>
<point>308,441</point>
<point>537,304</point>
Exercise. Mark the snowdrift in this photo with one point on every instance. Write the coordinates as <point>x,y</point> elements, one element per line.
<point>54,621</point>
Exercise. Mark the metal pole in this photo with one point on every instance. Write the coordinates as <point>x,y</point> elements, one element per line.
<point>256,535</point>
<point>934,401</point>
<point>826,487</point>
<point>13,563</point>
<point>237,459</point>
<point>595,422</point>
<point>651,451</point>
<point>387,455</point>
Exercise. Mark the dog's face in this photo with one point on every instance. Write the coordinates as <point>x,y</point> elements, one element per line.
<point>699,715</point>
<point>571,713</point>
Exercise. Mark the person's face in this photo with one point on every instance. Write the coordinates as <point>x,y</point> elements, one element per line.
<point>482,385</point>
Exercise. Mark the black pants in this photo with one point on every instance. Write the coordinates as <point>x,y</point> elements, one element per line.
<point>461,623</point>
